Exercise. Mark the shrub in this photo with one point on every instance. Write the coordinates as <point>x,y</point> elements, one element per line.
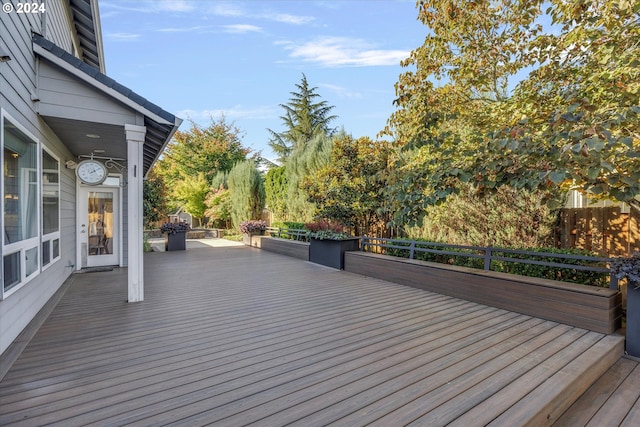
<point>627,267</point>
<point>325,230</point>
<point>252,226</point>
<point>175,227</point>
<point>568,274</point>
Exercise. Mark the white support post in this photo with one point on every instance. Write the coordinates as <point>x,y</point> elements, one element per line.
<point>135,140</point>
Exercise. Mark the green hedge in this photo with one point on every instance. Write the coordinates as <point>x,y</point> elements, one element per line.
<point>288,224</point>
<point>589,278</point>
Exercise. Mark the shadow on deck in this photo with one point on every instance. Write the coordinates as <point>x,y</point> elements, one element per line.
<point>235,336</point>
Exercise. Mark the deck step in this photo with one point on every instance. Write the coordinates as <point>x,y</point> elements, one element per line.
<point>543,394</point>
<point>612,400</point>
<point>549,400</point>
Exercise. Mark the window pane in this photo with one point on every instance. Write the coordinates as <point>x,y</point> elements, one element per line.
<point>46,252</point>
<point>50,193</point>
<point>11,270</point>
<point>20,185</point>
<point>56,248</point>
<point>31,260</point>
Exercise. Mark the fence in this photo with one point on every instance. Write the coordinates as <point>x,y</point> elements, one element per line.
<point>607,231</point>
<point>488,257</point>
<point>297,234</point>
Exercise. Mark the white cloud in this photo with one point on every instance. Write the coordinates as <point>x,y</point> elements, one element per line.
<point>237,112</point>
<point>198,28</point>
<point>231,9</point>
<point>149,6</point>
<point>288,19</point>
<point>341,91</point>
<point>226,9</point>
<point>123,37</point>
<point>175,5</point>
<point>242,28</point>
<point>344,52</point>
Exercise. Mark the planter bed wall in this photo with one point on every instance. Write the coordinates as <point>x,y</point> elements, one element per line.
<point>596,309</point>
<point>290,248</point>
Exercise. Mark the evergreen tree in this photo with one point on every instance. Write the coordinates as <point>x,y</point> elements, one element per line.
<point>246,192</point>
<point>305,118</point>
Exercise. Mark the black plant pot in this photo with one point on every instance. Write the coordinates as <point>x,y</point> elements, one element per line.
<point>633,319</point>
<point>175,241</point>
<point>331,252</point>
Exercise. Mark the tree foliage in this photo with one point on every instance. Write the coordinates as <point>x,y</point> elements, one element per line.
<point>154,199</point>
<point>572,122</point>
<point>275,186</point>
<point>507,218</point>
<point>191,192</point>
<point>305,117</point>
<point>303,162</point>
<point>349,187</point>
<point>246,192</point>
<point>196,154</point>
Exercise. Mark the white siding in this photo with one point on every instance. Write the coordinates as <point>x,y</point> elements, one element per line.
<point>17,83</point>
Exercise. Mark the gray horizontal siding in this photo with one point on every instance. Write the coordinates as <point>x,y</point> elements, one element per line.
<point>17,83</point>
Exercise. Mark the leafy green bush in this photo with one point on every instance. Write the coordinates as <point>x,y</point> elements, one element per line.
<point>572,275</point>
<point>288,224</point>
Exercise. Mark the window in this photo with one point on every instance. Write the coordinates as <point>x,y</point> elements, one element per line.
<point>50,208</point>
<point>20,206</point>
<point>30,205</point>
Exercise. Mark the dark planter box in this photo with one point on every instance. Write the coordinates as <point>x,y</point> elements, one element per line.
<point>175,242</point>
<point>331,252</point>
<point>633,319</point>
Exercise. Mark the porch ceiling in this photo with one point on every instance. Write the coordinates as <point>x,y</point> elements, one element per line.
<point>74,135</point>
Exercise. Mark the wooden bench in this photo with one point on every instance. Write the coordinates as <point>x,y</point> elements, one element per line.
<point>588,307</point>
<point>292,248</point>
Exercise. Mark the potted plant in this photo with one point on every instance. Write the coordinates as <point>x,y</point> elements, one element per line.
<point>329,242</point>
<point>251,228</point>
<point>175,235</point>
<point>629,268</point>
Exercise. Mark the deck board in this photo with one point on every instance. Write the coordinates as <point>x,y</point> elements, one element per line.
<point>235,336</point>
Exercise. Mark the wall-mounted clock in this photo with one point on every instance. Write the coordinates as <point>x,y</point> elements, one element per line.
<point>91,172</point>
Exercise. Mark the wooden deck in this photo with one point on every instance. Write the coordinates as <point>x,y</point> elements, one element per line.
<point>239,336</point>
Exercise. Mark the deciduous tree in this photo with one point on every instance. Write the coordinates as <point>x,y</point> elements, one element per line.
<point>349,187</point>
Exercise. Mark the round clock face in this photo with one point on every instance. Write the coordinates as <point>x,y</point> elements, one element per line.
<point>91,172</point>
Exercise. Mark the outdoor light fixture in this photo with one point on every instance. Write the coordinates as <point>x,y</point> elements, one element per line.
<point>4,56</point>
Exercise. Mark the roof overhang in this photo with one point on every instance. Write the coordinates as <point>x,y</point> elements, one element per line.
<point>85,18</point>
<point>161,125</point>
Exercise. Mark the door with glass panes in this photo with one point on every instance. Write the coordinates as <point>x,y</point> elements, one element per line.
<point>99,226</point>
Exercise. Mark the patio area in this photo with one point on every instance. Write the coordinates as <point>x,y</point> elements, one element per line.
<point>234,335</point>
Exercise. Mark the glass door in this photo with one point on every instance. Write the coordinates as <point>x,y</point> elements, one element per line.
<point>99,227</point>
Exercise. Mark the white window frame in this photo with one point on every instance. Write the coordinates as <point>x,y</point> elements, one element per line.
<point>55,235</point>
<point>25,245</point>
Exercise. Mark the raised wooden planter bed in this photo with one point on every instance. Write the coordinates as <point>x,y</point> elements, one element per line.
<point>290,248</point>
<point>588,307</point>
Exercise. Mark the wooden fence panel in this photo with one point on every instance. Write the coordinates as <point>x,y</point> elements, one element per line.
<point>605,231</point>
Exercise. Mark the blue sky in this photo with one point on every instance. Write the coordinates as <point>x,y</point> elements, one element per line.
<point>206,58</point>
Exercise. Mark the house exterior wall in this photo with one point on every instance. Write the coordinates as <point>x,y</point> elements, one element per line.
<point>17,85</point>
<point>57,21</point>
<point>62,95</point>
